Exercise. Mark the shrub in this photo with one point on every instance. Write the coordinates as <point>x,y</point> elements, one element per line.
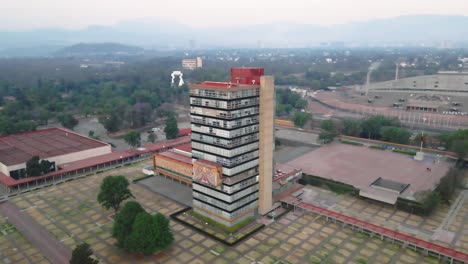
<point>226,229</point>
<point>337,187</point>
<point>351,142</point>
<point>406,152</point>
<point>376,147</point>
<point>141,178</point>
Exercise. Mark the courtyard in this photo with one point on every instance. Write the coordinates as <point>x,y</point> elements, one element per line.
<point>70,212</point>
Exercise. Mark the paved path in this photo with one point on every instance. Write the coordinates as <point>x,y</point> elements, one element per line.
<point>50,247</point>
<point>168,188</point>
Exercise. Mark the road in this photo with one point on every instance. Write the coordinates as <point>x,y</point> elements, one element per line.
<point>48,245</point>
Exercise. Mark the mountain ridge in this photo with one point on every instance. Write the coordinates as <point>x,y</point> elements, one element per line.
<point>165,34</point>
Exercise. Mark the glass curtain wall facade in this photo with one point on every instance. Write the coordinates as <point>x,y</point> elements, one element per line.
<point>225,130</point>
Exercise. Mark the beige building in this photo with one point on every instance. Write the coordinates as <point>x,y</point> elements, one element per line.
<point>58,146</point>
<point>192,64</point>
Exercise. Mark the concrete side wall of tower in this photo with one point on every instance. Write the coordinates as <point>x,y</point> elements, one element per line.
<point>267,119</point>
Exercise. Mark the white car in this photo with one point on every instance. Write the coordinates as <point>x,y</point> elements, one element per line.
<point>155,129</point>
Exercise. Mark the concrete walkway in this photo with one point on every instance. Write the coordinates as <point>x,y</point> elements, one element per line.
<point>168,188</point>
<point>49,246</point>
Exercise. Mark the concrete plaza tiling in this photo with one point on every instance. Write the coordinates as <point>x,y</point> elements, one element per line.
<point>14,248</point>
<point>430,228</point>
<point>71,213</point>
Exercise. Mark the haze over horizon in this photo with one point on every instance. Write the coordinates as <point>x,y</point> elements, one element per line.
<point>29,15</point>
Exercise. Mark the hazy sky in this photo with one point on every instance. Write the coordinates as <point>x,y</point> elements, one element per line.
<point>28,14</point>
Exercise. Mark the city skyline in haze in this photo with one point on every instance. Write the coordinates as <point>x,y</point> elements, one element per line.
<point>29,15</point>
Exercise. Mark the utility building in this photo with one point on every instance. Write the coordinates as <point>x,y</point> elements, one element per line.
<point>232,142</point>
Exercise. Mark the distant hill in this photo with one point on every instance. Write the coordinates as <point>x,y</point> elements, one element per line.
<point>428,30</point>
<point>99,49</point>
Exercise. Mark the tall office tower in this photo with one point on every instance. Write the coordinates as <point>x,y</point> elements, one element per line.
<point>232,140</point>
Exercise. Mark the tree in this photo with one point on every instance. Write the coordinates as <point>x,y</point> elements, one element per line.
<point>326,136</point>
<point>300,118</point>
<point>46,166</point>
<point>114,190</point>
<point>149,234</point>
<point>82,255</point>
<point>371,127</point>
<point>300,104</point>
<point>133,138</point>
<point>152,137</point>
<point>458,142</point>
<point>164,235</point>
<point>33,167</point>
<point>327,125</point>
<point>351,128</point>
<point>142,238</point>
<point>68,121</point>
<point>395,134</point>
<point>328,132</point>
<point>111,123</point>
<point>171,128</point>
<point>36,167</point>
<point>448,183</point>
<point>139,232</point>
<point>124,220</point>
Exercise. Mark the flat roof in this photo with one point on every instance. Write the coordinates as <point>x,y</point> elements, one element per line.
<point>184,132</point>
<point>222,86</point>
<point>176,156</point>
<point>185,147</point>
<point>360,166</point>
<point>45,143</point>
<point>284,171</point>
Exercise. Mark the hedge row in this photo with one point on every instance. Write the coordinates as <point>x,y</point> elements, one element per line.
<point>337,187</point>
<point>142,178</point>
<point>424,208</point>
<point>376,147</point>
<point>230,244</point>
<point>351,142</point>
<point>406,152</point>
<point>226,229</point>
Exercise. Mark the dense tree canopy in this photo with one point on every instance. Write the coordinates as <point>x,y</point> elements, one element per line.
<point>301,118</point>
<point>36,167</point>
<point>352,128</point>
<point>328,133</point>
<point>139,232</point>
<point>395,134</point>
<point>124,220</point>
<point>68,121</point>
<point>133,138</point>
<point>458,142</point>
<point>171,128</point>
<point>286,101</point>
<point>372,126</point>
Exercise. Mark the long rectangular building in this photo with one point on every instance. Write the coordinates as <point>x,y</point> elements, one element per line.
<point>225,120</point>
<point>57,145</point>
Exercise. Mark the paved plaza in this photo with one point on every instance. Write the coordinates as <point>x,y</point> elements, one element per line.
<point>70,212</point>
<point>438,227</point>
<point>169,188</point>
<point>15,248</point>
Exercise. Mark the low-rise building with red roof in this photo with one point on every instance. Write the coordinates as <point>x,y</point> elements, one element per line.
<point>57,145</point>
